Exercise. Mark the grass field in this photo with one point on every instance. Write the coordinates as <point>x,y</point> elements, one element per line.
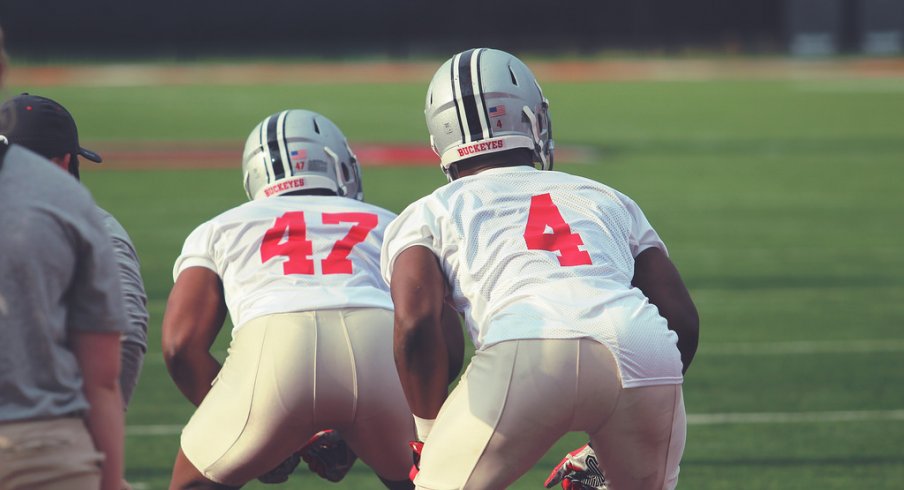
<point>780,201</point>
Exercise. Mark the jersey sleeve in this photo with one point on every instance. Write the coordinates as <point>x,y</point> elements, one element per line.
<point>414,226</point>
<point>643,236</point>
<point>135,337</point>
<point>196,250</point>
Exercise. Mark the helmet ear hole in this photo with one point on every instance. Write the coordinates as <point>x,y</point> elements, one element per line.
<point>346,176</point>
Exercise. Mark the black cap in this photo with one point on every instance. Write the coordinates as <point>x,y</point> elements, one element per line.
<point>43,126</point>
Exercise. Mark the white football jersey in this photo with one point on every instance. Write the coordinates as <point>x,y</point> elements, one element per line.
<point>533,254</point>
<point>293,253</point>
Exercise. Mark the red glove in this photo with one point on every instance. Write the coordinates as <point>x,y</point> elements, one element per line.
<point>328,455</point>
<point>416,448</point>
<point>578,470</point>
<point>281,473</point>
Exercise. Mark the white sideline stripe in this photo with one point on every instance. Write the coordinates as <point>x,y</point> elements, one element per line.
<point>692,419</point>
<point>746,348</point>
<point>803,347</point>
<point>792,417</point>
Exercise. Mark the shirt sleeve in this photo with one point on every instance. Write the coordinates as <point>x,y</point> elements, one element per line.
<point>134,338</point>
<point>133,293</point>
<point>96,292</point>
<point>414,226</point>
<point>196,251</point>
<point>643,236</point>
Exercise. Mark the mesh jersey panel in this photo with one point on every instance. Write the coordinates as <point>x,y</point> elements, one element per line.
<point>567,276</point>
<point>306,231</point>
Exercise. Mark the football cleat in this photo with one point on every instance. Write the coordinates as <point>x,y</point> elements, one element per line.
<point>578,470</point>
<point>328,455</point>
<point>417,447</point>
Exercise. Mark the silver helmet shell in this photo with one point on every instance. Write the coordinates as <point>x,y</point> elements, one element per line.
<point>299,150</point>
<point>484,101</point>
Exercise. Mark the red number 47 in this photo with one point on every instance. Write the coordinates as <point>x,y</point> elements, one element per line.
<point>288,238</point>
<point>544,214</point>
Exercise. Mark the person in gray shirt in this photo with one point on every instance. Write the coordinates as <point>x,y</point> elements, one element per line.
<point>48,129</point>
<point>61,318</point>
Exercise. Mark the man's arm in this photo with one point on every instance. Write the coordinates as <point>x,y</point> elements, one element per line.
<point>658,278</point>
<point>420,347</point>
<point>97,354</point>
<point>194,315</point>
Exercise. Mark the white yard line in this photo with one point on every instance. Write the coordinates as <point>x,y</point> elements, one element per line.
<point>692,419</point>
<point>802,347</point>
<point>792,417</point>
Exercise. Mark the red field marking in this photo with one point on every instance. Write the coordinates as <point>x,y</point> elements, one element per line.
<point>173,155</point>
<point>182,155</point>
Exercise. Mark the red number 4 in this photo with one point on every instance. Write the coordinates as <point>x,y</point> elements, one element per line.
<point>544,214</point>
<point>288,238</point>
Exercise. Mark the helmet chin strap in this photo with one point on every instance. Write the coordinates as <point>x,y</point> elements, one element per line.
<point>451,172</point>
<point>342,189</point>
<point>539,146</point>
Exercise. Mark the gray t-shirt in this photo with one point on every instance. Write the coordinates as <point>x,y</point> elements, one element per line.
<point>135,337</point>
<point>56,277</point>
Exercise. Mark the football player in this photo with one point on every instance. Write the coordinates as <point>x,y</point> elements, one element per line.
<point>297,269</point>
<point>579,319</point>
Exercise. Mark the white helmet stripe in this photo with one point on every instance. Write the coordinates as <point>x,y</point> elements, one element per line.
<point>272,138</point>
<point>284,161</point>
<point>456,94</point>
<point>479,100</point>
<point>262,143</point>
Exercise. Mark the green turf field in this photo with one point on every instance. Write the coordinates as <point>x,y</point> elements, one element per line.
<point>781,202</point>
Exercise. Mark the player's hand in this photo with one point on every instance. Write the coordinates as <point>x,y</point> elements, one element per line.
<point>416,448</point>
<point>327,455</point>
<point>281,473</point>
<point>578,470</point>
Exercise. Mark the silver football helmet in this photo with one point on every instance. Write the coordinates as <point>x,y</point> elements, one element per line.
<point>484,101</point>
<point>298,150</point>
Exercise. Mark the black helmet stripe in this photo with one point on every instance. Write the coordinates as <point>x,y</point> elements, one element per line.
<point>276,161</point>
<point>467,66</point>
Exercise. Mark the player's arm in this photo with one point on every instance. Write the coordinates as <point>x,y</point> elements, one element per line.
<point>658,278</point>
<point>194,315</point>
<point>455,340</point>
<point>418,290</point>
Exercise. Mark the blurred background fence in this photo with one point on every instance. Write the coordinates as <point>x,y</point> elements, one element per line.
<point>51,30</point>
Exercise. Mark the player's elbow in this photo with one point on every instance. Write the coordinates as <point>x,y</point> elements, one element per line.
<point>176,352</point>
<point>412,334</point>
<point>687,323</point>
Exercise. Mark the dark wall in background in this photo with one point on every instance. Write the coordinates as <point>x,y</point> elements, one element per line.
<point>187,29</point>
